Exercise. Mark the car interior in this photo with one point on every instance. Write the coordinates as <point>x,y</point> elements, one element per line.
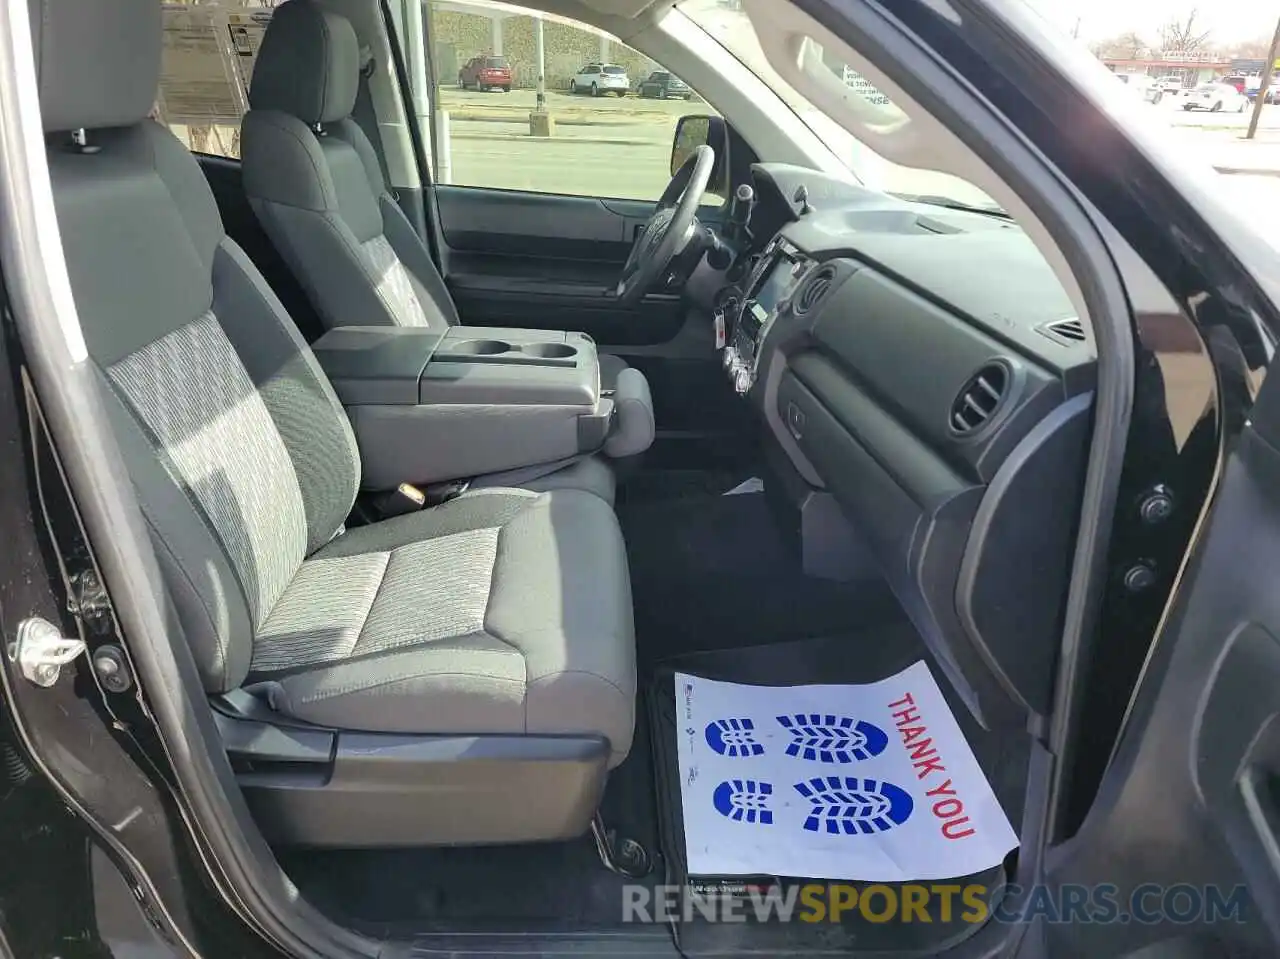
<point>442,511</point>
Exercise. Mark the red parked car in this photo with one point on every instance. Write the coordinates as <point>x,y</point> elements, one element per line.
<point>486,73</point>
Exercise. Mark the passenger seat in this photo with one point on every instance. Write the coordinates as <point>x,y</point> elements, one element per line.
<point>495,622</point>
<point>314,181</point>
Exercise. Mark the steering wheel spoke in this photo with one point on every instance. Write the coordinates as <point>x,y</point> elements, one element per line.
<point>667,230</point>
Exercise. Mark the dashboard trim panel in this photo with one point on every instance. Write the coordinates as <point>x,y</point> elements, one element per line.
<point>857,391</point>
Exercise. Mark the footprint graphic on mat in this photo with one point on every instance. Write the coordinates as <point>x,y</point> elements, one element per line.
<point>852,806</point>
<point>832,739</point>
<point>744,800</point>
<point>733,738</point>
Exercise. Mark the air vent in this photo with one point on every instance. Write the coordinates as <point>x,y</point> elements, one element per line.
<point>813,290</point>
<point>980,398</point>
<point>1067,332</point>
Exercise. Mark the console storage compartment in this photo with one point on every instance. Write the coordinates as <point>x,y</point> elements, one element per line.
<point>434,405</point>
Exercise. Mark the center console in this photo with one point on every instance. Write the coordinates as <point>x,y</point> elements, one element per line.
<point>775,277</point>
<point>433,405</point>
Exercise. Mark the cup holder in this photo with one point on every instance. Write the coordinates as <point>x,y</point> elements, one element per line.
<point>480,347</point>
<point>550,351</point>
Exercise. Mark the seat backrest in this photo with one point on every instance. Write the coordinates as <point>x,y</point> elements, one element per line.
<point>242,457</point>
<point>313,179</point>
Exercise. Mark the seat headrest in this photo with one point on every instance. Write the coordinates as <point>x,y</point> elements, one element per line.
<point>308,65</point>
<point>98,63</point>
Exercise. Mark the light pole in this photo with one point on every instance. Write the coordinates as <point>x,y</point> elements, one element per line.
<point>541,101</point>
<point>541,123</point>
<point>1268,69</point>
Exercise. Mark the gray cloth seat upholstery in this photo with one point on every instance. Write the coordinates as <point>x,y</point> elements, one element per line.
<point>315,183</point>
<point>458,631</point>
<point>314,180</point>
<point>502,611</point>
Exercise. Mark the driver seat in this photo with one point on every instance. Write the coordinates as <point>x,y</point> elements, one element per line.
<point>314,181</point>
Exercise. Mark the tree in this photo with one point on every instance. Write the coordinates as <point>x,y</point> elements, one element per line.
<point>1127,46</point>
<point>1183,35</point>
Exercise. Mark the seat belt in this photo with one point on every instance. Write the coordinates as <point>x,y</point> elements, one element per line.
<point>367,118</point>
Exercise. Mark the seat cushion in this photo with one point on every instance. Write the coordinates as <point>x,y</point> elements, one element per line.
<point>590,474</point>
<point>500,611</point>
<point>586,473</point>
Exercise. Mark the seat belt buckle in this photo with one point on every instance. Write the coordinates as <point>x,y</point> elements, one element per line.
<point>405,498</point>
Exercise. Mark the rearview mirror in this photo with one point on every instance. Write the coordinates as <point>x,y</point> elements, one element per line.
<point>692,132</point>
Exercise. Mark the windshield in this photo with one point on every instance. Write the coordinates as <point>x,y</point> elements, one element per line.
<point>614,70</point>
<point>731,28</point>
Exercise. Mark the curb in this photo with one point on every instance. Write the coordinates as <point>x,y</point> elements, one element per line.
<point>527,138</point>
<point>1247,171</point>
<point>569,121</point>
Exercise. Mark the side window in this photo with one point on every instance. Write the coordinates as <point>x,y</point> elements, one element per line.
<point>603,130</point>
<point>208,58</point>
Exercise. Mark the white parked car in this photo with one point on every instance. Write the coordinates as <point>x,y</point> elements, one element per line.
<point>1142,87</point>
<point>1216,98</point>
<point>601,78</point>
<point>1171,85</point>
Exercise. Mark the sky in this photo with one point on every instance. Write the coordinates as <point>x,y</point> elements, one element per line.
<point>1102,19</point>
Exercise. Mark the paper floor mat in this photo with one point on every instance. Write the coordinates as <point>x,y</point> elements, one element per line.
<point>870,782</point>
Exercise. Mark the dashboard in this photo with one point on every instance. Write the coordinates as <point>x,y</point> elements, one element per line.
<point>924,367</point>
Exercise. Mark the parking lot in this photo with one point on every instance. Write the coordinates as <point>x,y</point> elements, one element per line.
<point>606,146</point>
<point>620,147</point>
<point>561,101</point>
<point>1173,108</point>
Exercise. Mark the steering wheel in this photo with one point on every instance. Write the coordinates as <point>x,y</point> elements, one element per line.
<point>668,229</point>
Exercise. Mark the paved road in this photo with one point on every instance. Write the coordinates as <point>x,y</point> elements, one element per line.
<point>621,147</point>
<point>1256,199</point>
<point>621,170</point>
<point>1171,108</point>
<point>640,172</point>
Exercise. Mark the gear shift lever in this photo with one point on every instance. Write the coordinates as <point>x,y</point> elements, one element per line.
<point>744,200</point>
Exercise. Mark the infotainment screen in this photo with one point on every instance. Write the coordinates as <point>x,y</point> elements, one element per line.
<point>777,284</point>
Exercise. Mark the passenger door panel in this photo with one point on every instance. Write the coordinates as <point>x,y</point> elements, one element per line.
<point>542,260</point>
